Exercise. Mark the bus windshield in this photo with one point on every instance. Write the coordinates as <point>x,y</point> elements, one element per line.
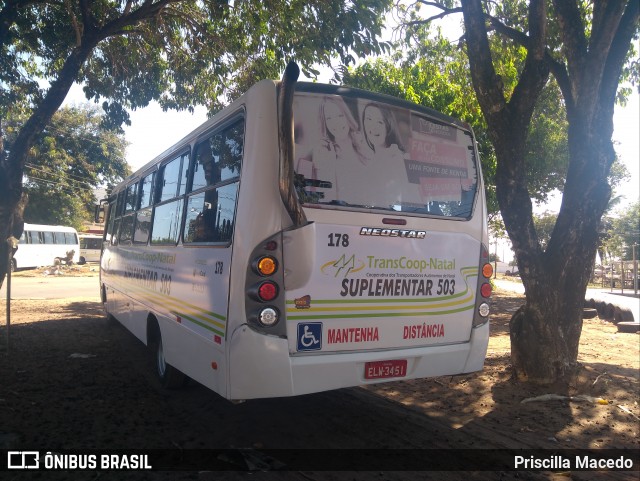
<point>357,153</point>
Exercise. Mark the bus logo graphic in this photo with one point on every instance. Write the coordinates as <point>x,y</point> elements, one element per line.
<point>310,336</point>
<point>342,266</point>
<point>23,459</point>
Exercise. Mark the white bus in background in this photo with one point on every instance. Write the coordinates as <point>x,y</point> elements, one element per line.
<point>45,245</point>
<point>90,248</point>
<point>307,237</point>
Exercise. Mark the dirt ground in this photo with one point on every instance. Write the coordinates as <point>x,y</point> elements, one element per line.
<point>73,380</point>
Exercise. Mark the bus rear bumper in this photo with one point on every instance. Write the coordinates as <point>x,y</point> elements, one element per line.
<point>277,373</point>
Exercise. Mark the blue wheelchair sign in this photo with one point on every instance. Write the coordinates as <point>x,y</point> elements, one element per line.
<point>310,336</point>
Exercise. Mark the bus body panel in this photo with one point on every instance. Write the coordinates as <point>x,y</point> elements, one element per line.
<point>292,376</point>
<point>187,288</point>
<point>381,288</point>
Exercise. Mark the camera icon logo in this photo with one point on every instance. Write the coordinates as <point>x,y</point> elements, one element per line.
<point>23,460</point>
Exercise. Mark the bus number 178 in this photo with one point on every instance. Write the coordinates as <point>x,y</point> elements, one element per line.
<point>337,240</point>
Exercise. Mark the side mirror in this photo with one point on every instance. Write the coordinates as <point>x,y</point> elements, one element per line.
<point>100,211</point>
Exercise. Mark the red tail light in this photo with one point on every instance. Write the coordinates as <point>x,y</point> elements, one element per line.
<point>268,291</point>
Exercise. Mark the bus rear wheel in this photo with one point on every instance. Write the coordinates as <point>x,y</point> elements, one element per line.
<point>169,376</point>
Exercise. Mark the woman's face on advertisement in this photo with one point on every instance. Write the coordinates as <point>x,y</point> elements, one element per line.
<point>375,127</point>
<point>336,120</point>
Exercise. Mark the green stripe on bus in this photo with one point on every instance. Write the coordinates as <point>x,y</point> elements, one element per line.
<point>195,321</point>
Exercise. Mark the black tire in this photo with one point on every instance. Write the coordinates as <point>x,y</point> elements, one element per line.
<point>169,376</point>
<point>82,260</point>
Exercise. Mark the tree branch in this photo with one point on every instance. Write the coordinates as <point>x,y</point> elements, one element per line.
<point>608,22</point>
<point>487,83</point>
<point>445,12</point>
<point>572,33</point>
<point>536,72</point>
<point>87,16</point>
<point>146,11</point>
<point>620,45</point>
<point>606,18</point>
<point>74,22</point>
<point>127,8</point>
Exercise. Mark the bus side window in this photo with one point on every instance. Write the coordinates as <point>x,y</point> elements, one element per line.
<point>111,221</point>
<point>126,225</point>
<point>70,238</point>
<point>119,208</point>
<point>170,180</point>
<point>211,205</point>
<point>131,200</point>
<point>167,216</point>
<point>143,216</point>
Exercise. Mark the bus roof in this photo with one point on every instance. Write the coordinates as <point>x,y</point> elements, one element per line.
<point>44,227</point>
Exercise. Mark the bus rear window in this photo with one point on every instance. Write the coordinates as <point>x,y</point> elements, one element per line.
<point>356,153</point>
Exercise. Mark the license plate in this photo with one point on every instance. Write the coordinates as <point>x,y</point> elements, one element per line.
<point>385,369</point>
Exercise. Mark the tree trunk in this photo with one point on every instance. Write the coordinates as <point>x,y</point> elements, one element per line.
<point>11,223</point>
<point>545,332</point>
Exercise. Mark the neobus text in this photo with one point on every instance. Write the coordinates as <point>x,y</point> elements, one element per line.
<point>377,232</point>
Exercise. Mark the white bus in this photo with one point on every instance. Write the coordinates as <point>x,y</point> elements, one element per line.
<point>45,245</point>
<point>90,248</point>
<point>306,238</point>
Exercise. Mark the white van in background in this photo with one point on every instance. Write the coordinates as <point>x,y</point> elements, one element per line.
<point>45,245</point>
<point>90,247</point>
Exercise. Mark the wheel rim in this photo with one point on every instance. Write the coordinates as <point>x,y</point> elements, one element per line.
<point>161,362</point>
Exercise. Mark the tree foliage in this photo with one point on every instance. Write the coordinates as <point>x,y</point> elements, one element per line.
<point>623,233</point>
<point>178,52</point>
<point>75,154</point>
<point>545,223</point>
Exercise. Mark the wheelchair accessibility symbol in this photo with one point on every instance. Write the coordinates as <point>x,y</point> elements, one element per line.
<point>310,336</point>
